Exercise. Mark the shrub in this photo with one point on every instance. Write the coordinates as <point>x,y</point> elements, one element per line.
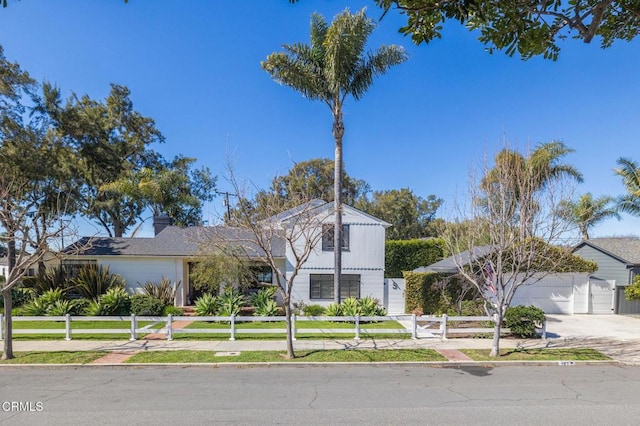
<point>264,302</point>
<point>116,301</point>
<point>50,297</point>
<point>35,308</point>
<point>206,305</point>
<point>522,320</point>
<point>143,304</point>
<point>314,310</point>
<point>229,302</point>
<point>78,306</point>
<point>407,255</point>
<point>44,304</point>
<point>60,308</point>
<point>267,309</point>
<point>333,310</point>
<point>93,281</point>
<point>370,307</point>
<point>172,310</point>
<point>165,290</point>
<point>51,279</point>
<point>350,307</point>
<point>95,308</point>
<point>632,292</point>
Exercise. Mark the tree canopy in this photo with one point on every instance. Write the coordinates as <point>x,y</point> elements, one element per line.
<point>409,214</point>
<point>528,27</point>
<point>587,211</point>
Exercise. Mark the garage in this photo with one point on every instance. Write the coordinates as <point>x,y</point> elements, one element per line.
<point>568,294</point>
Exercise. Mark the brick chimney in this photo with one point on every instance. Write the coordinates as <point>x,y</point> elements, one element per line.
<point>160,222</point>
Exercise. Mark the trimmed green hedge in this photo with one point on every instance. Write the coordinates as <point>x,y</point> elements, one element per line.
<point>407,255</point>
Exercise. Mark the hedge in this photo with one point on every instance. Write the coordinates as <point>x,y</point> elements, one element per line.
<point>407,255</point>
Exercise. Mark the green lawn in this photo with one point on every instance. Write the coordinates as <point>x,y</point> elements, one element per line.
<point>341,355</point>
<point>54,357</point>
<point>221,330</point>
<point>539,354</point>
<point>87,325</point>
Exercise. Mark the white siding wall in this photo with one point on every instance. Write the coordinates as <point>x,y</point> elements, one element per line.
<point>371,284</point>
<point>365,257</point>
<point>136,270</point>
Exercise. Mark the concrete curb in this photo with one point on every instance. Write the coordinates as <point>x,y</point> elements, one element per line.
<point>431,364</point>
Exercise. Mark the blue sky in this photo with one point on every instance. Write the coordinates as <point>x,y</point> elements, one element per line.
<point>195,68</point>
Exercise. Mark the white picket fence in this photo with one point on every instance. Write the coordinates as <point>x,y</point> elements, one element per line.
<point>417,326</point>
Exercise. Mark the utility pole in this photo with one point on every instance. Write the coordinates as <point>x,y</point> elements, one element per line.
<point>225,202</point>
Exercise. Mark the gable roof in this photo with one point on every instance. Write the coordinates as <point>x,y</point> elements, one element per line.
<point>624,249</point>
<point>449,264</point>
<point>320,206</point>
<point>171,241</point>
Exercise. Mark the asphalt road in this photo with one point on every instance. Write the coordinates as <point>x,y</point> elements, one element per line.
<point>572,395</point>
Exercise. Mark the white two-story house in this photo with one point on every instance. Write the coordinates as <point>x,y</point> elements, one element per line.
<point>172,251</point>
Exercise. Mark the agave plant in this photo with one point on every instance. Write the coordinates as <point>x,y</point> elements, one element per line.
<point>60,308</point>
<point>116,301</point>
<point>264,302</point>
<point>350,307</point>
<point>95,308</point>
<point>35,308</point>
<point>333,310</point>
<point>370,307</point>
<point>94,280</point>
<point>165,290</point>
<point>206,305</point>
<point>267,309</point>
<point>229,302</point>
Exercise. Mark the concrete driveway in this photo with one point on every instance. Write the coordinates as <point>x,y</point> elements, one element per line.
<point>616,327</point>
<point>617,336</point>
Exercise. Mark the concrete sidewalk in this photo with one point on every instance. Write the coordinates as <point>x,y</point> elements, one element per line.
<point>614,335</point>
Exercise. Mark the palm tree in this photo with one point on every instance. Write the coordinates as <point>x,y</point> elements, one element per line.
<point>587,212</point>
<point>630,173</point>
<point>335,65</point>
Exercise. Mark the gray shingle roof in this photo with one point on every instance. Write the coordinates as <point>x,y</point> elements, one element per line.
<point>448,265</point>
<point>626,249</point>
<point>173,241</point>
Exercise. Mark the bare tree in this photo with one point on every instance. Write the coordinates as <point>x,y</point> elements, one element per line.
<point>31,232</point>
<point>274,236</point>
<point>511,226</point>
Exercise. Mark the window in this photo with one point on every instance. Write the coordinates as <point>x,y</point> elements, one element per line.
<point>321,286</point>
<point>328,237</point>
<point>262,273</point>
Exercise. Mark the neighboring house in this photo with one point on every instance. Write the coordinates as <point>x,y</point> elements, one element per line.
<point>618,261</point>
<point>555,293</point>
<point>172,251</point>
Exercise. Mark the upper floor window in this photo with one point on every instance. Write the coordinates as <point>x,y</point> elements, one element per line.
<point>328,239</point>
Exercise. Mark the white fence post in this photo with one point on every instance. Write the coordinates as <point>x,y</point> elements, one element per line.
<point>414,327</point>
<point>1,328</point>
<point>169,327</point>
<point>293,326</point>
<point>233,328</point>
<point>67,327</point>
<point>133,327</point>
<point>444,325</point>
<point>357,328</point>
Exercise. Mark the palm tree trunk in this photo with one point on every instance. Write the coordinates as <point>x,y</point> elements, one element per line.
<point>338,133</point>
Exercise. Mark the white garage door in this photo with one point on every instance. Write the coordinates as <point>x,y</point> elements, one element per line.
<point>553,294</point>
